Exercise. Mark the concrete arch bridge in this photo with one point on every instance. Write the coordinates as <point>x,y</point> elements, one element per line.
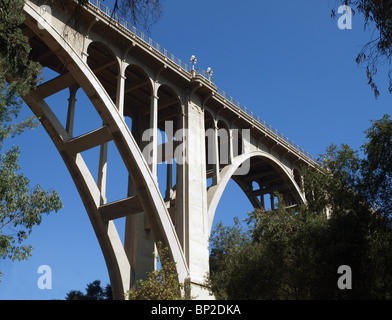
<point>140,93</point>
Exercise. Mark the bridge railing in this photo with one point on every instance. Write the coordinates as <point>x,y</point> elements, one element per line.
<point>265,124</point>
<point>138,33</point>
<point>187,68</point>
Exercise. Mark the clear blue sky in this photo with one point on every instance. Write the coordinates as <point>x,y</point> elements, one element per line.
<point>287,61</point>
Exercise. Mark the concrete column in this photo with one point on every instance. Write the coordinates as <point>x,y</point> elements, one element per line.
<point>86,40</point>
<point>102,171</point>
<point>71,109</point>
<point>231,155</point>
<point>180,184</point>
<point>169,180</point>
<point>262,201</point>
<point>120,93</point>
<point>196,219</point>
<point>154,140</point>
<point>139,246</point>
<point>272,202</point>
<point>215,165</point>
<point>234,135</point>
<point>139,243</point>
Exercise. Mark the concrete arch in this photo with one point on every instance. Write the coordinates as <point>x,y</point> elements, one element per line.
<point>169,106</point>
<point>129,59</point>
<point>295,167</point>
<point>222,124</point>
<point>210,111</point>
<point>209,143</point>
<point>92,36</point>
<point>163,81</point>
<point>209,119</point>
<point>224,142</point>
<point>145,184</point>
<point>298,177</point>
<point>137,67</point>
<point>247,190</point>
<point>237,142</point>
<point>138,92</point>
<point>169,89</point>
<point>105,65</point>
<point>103,44</point>
<point>219,118</point>
<point>215,192</point>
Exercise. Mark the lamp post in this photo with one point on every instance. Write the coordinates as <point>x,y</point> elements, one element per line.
<point>193,61</point>
<point>209,73</point>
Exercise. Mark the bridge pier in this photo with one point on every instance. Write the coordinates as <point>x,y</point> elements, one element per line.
<point>196,210</point>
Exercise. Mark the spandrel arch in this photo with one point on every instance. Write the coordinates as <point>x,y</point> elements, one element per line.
<point>273,171</point>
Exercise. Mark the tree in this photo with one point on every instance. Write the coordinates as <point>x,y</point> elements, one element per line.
<point>294,253</point>
<point>21,207</point>
<point>378,50</point>
<point>140,13</point>
<point>160,284</point>
<point>377,166</point>
<point>229,245</point>
<point>94,291</point>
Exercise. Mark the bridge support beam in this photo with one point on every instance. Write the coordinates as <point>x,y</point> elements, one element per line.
<point>196,220</point>
<point>139,242</point>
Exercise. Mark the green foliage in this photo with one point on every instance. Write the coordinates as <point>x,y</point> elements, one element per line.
<point>15,63</point>
<point>94,291</point>
<point>18,73</point>
<point>21,207</point>
<point>141,13</point>
<point>378,50</point>
<point>273,262</point>
<point>160,284</point>
<point>294,253</point>
<point>227,243</point>
<point>377,167</point>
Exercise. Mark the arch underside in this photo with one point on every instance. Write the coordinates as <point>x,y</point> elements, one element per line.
<point>52,50</point>
<point>258,174</point>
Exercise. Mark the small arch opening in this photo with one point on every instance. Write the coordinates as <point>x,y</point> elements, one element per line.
<point>209,127</point>
<point>223,143</point>
<point>104,65</point>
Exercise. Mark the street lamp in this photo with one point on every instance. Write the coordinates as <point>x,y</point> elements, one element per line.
<point>193,61</point>
<point>209,73</point>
